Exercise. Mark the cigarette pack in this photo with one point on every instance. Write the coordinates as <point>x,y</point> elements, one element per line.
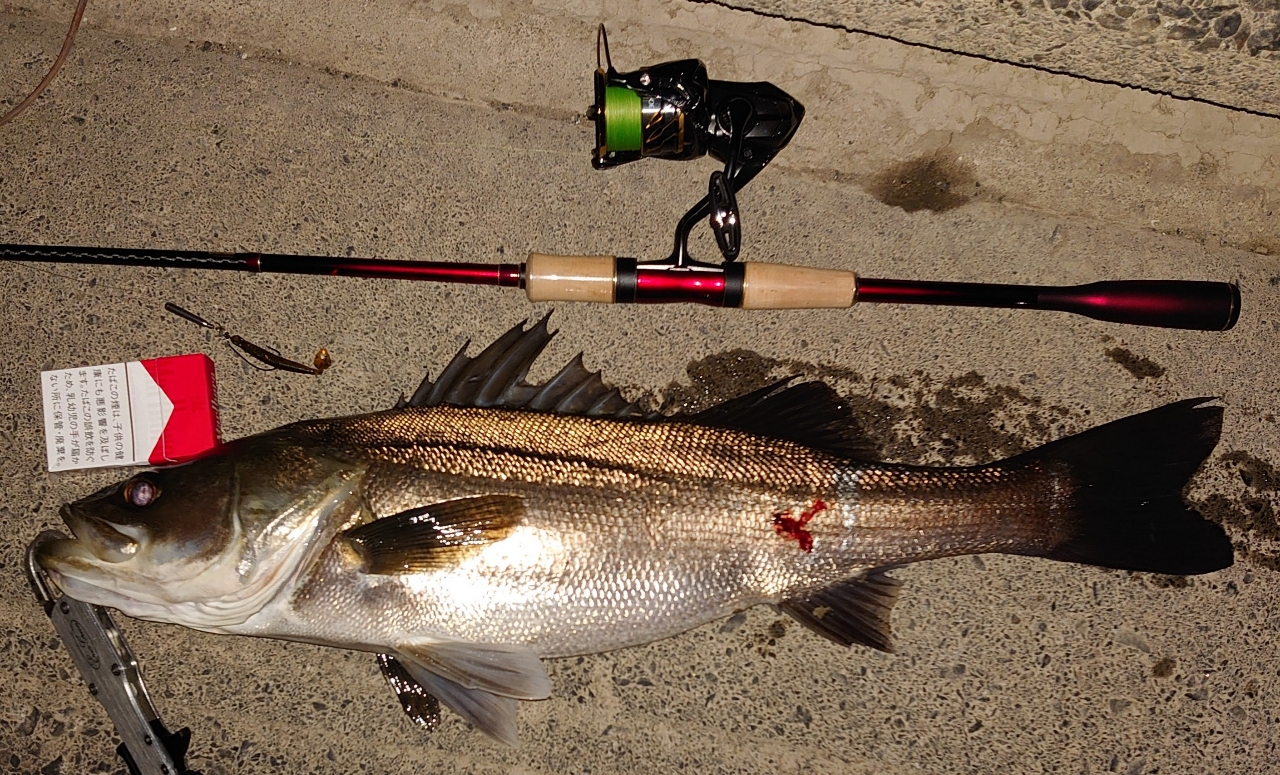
<point>154,412</point>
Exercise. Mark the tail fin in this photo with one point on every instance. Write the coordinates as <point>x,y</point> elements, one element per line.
<point>1127,479</point>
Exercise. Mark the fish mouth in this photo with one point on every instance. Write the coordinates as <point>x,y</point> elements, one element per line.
<point>94,537</point>
<point>73,567</point>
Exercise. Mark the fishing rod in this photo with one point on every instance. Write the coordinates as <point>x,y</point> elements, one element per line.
<point>674,111</point>
<point>1196,305</point>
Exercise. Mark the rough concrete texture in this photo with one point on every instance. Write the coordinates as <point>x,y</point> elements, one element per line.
<point>1218,52</point>
<point>455,131</point>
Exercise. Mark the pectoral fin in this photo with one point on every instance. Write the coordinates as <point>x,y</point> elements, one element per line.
<point>482,682</point>
<point>436,535</point>
<point>853,612</point>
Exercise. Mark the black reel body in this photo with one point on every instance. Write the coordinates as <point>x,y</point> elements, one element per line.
<point>673,110</point>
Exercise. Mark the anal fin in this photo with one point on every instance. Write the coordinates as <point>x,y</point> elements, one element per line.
<point>851,612</point>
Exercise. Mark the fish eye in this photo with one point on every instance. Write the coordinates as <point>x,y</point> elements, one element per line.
<point>140,492</point>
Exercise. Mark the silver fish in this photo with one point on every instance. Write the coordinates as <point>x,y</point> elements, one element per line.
<point>486,523</point>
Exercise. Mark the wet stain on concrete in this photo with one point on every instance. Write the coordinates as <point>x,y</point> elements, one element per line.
<point>914,418</point>
<point>1250,515</point>
<point>1262,246</point>
<point>1255,473</point>
<point>1139,367</point>
<point>720,377</point>
<point>937,182</point>
<point>1162,581</point>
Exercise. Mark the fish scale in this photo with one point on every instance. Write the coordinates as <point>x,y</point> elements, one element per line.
<point>629,533</point>
<point>643,555</point>
<point>429,438</point>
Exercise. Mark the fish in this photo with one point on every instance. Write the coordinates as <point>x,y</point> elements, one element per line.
<point>485,524</point>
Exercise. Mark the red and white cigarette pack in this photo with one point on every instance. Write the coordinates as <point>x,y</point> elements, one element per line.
<point>154,412</point>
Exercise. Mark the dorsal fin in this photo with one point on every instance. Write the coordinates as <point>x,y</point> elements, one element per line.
<point>810,413</point>
<point>496,378</point>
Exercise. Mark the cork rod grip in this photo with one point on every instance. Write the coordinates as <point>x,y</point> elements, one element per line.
<point>570,278</point>
<point>777,286</point>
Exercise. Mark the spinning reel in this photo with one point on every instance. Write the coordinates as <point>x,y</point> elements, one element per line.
<point>673,110</point>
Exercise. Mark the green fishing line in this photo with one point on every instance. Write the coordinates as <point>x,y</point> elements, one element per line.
<point>622,119</point>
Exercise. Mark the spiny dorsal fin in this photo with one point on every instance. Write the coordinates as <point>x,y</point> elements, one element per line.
<point>810,413</point>
<point>417,703</point>
<point>851,612</point>
<point>435,535</point>
<point>496,378</point>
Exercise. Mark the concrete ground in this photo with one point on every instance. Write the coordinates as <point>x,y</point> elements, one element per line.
<point>456,131</point>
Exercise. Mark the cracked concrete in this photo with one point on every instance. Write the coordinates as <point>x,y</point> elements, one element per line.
<point>1222,53</point>
<point>455,131</point>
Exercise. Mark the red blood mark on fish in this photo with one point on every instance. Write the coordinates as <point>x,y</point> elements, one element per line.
<point>793,527</point>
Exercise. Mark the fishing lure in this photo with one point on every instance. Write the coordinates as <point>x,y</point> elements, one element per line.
<point>266,355</point>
